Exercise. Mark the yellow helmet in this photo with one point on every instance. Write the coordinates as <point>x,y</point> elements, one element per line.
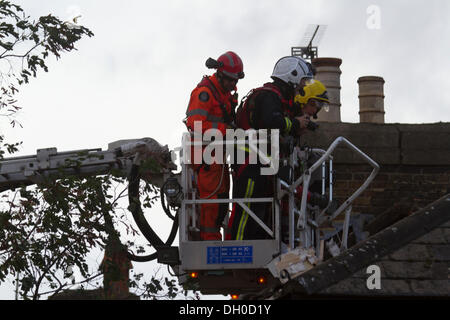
<point>315,90</point>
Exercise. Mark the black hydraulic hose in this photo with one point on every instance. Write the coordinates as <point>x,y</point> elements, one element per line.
<point>154,255</point>
<point>141,222</point>
<point>147,258</point>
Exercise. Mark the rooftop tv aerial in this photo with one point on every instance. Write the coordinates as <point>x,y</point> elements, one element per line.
<point>308,48</point>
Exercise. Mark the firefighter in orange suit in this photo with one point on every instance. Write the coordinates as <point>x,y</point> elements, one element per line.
<point>211,106</point>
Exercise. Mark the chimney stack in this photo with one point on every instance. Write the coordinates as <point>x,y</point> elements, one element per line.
<point>329,73</point>
<point>371,99</point>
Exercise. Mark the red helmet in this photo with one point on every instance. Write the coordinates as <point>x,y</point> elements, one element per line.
<point>229,64</point>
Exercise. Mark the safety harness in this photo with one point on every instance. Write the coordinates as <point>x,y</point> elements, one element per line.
<point>226,116</point>
<point>245,110</point>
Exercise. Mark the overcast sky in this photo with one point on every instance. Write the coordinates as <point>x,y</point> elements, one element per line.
<point>134,77</point>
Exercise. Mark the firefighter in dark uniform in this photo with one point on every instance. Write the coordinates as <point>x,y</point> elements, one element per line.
<point>267,107</point>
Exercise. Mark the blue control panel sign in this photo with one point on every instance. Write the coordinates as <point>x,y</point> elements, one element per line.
<point>232,254</point>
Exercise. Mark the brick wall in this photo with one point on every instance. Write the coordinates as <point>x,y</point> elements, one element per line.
<point>419,185</point>
<point>414,162</point>
<point>420,268</point>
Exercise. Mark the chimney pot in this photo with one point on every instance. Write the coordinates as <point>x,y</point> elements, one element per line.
<point>371,99</point>
<point>329,73</point>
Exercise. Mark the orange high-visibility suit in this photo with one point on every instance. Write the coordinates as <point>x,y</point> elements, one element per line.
<point>213,107</point>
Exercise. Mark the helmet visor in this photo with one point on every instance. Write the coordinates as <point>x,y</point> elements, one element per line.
<point>309,81</point>
<point>234,76</point>
<point>319,104</point>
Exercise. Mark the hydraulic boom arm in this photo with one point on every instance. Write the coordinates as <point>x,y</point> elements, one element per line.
<point>50,164</point>
<point>124,156</point>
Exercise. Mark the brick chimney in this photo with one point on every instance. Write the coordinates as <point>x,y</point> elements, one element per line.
<point>371,99</point>
<point>329,73</point>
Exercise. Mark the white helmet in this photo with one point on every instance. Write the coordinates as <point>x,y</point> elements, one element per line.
<point>292,70</point>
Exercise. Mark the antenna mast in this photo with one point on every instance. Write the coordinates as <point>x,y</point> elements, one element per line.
<point>308,48</point>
